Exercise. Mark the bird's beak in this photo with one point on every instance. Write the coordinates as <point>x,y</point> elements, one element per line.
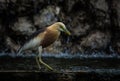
<point>67,32</point>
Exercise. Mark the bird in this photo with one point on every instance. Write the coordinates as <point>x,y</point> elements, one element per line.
<point>42,39</point>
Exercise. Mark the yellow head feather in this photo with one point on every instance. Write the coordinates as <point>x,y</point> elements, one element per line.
<point>59,26</point>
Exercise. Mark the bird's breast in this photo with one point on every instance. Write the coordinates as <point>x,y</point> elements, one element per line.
<point>49,38</point>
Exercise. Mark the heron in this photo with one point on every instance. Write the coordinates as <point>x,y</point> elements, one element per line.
<point>42,39</point>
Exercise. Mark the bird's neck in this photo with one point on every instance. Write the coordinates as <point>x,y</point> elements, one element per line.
<point>51,30</point>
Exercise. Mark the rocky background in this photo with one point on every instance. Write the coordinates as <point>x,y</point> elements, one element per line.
<point>94,24</point>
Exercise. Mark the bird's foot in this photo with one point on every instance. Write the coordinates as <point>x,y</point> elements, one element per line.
<point>47,66</point>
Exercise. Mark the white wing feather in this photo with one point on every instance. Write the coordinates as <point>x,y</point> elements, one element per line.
<point>33,43</point>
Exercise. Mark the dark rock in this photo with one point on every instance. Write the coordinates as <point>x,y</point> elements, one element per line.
<point>96,40</point>
<point>100,4</point>
<point>12,45</point>
<point>47,16</point>
<point>20,19</point>
<point>116,46</point>
<point>116,6</point>
<point>68,4</point>
<point>24,26</point>
<point>80,29</point>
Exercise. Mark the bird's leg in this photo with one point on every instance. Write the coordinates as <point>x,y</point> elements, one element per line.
<point>40,59</point>
<point>38,62</point>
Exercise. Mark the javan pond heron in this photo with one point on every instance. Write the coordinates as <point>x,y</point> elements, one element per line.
<point>44,38</point>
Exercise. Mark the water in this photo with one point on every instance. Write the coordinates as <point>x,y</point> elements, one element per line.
<point>63,62</point>
<point>66,55</point>
<point>77,67</point>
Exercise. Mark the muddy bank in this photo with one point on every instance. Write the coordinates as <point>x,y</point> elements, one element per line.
<point>95,25</point>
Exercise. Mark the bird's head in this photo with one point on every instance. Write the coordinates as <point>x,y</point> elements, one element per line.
<point>61,27</point>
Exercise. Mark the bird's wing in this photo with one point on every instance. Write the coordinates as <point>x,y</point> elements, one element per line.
<point>32,41</point>
<point>35,34</point>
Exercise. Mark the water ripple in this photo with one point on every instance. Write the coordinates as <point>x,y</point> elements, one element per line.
<point>66,55</point>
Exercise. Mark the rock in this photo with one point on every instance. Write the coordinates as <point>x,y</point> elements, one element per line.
<point>11,44</point>
<point>118,47</point>
<point>2,1</point>
<point>24,26</point>
<point>96,40</point>
<point>100,4</point>
<point>76,48</point>
<point>0,28</point>
<point>47,16</point>
<point>102,20</point>
<point>116,5</point>
<point>81,17</point>
<point>69,5</point>
<point>80,29</point>
<point>118,13</point>
<point>77,23</point>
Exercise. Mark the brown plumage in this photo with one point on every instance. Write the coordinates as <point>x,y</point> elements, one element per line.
<point>50,36</point>
<point>44,38</point>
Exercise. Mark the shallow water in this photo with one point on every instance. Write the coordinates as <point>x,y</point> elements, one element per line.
<point>63,62</point>
<point>66,55</point>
